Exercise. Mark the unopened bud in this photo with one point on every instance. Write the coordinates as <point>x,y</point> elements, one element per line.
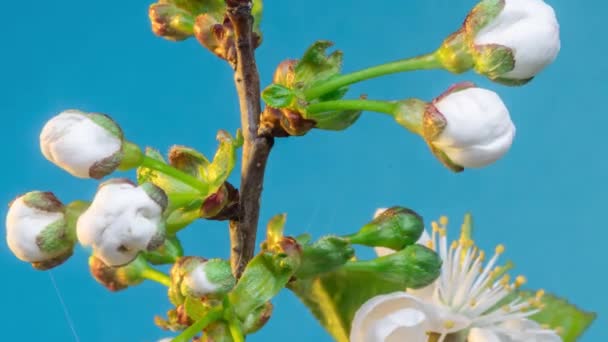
<point>38,231</point>
<point>394,228</point>
<point>117,278</point>
<point>87,145</point>
<point>171,22</point>
<point>325,255</point>
<point>413,267</point>
<point>508,41</point>
<point>198,277</point>
<point>123,220</point>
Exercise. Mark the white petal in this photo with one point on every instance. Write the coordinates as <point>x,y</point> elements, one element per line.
<point>23,226</point>
<point>395,315</point>
<point>485,335</point>
<point>75,143</point>
<point>479,129</point>
<point>522,330</point>
<point>530,29</point>
<point>424,238</point>
<point>426,293</point>
<point>379,211</point>
<point>444,321</point>
<point>383,251</point>
<point>199,283</point>
<point>121,222</point>
<point>402,325</point>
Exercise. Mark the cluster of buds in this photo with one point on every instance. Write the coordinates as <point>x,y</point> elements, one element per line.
<point>285,113</point>
<point>177,20</point>
<point>509,41</point>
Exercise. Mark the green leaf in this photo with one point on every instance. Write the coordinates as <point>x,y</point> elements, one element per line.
<point>316,66</point>
<point>217,172</point>
<point>265,275</point>
<point>335,297</point>
<point>278,96</point>
<point>559,314</point>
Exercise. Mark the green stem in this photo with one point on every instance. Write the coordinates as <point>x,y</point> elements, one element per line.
<point>198,326</point>
<point>183,177</point>
<point>424,62</point>
<point>157,276</point>
<point>368,105</point>
<point>236,332</point>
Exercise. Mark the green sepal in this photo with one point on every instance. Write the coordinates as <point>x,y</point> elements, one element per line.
<point>56,238</point>
<point>395,228</point>
<point>413,267</point>
<point>168,253</point>
<point>169,185</point>
<point>106,123</point>
<point>278,96</point>
<point>325,255</point>
<point>334,120</point>
<point>493,60</point>
<point>196,308</point>
<point>118,278</point>
<point>258,318</point>
<point>187,160</point>
<point>482,14</point>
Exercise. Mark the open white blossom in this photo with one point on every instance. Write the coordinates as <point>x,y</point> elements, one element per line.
<point>463,300</point>
<point>477,126</point>
<point>528,28</point>
<point>122,221</point>
<point>85,145</point>
<point>35,228</point>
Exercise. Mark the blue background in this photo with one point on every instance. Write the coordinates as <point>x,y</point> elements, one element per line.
<point>545,200</point>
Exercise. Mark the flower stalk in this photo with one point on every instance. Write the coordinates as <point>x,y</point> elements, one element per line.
<point>423,62</point>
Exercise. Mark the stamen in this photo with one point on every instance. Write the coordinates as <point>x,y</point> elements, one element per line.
<point>520,281</point>
<point>443,220</point>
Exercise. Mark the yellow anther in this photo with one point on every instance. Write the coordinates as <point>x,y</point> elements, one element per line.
<point>430,244</point>
<point>443,220</point>
<point>435,226</point>
<point>473,302</point>
<point>449,324</point>
<point>500,249</point>
<point>506,308</point>
<point>505,280</point>
<point>520,281</point>
<point>540,294</point>
<point>454,245</point>
<point>482,256</point>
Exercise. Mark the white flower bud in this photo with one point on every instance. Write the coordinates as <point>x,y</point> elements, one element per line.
<point>122,221</point>
<point>198,277</point>
<point>509,41</point>
<point>468,127</point>
<point>36,230</point>
<point>85,145</point>
<point>529,29</point>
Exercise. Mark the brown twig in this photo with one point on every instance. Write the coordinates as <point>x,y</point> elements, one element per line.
<point>257,146</point>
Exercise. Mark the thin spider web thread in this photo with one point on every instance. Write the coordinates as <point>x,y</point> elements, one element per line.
<point>66,313</point>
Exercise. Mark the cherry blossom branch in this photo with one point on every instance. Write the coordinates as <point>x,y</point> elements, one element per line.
<point>256,146</point>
